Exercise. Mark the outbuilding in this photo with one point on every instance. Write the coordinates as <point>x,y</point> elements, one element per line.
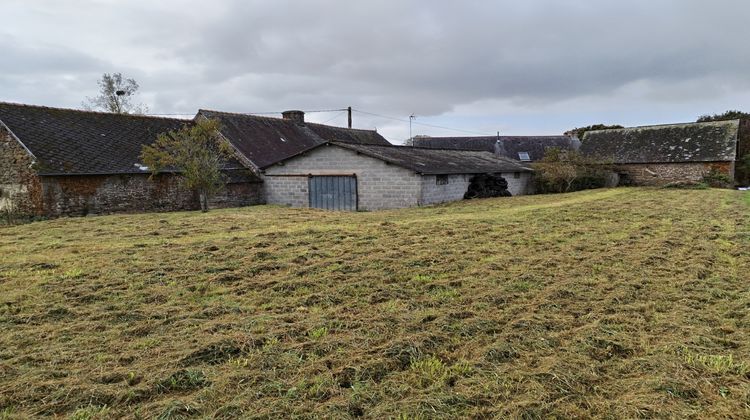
<point>349,176</point>
<point>522,148</point>
<point>662,154</point>
<point>57,162</point>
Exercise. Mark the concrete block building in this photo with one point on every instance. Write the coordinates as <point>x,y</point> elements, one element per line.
<point>374,177</point>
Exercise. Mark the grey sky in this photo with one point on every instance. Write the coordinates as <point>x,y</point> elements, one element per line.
<point>531,67</point>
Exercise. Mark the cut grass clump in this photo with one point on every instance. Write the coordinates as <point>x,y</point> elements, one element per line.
<point>318,333</point>
<point>716,364</point>
<point>183,380</point>
<point>223,351</point>
<point>431,370</point>
<point>179,410</point>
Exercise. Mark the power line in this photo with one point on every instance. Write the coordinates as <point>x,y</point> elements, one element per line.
<point>340,112</point>
<point>333,118</point>
<point>422,124</point>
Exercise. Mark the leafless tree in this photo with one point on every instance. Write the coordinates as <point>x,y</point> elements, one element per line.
<point>115,94</point>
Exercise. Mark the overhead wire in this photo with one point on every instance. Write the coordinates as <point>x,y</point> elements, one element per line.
<point>341,111</point>
<point>420,123</point>
<point>334,117</point>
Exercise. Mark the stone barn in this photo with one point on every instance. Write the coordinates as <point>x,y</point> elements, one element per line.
<point>351,176</point>
<point>67,162</point>
<point>662,154</point>
<point>522,148</point>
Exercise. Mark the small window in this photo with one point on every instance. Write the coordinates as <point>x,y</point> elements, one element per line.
<point>441,180</point>
<point>524,156</point>
<point>516,175</point>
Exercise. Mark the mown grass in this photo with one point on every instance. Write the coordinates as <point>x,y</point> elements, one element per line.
<point>608,303</point>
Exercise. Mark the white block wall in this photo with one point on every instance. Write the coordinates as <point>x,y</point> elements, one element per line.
<point>452,191</point>
<point>379,185</point>
<point>522,185</point>
<point>432,193</point>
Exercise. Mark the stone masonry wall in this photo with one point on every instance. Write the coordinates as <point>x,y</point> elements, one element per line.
<point>79,195</point>
<point>742,172</point>
<point>379,185</point>
<point>20,189</point>
<point>664,173</point>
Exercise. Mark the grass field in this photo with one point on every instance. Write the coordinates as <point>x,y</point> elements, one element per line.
<point>607,303</point>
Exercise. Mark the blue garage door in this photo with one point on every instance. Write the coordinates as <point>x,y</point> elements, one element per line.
<point>333,192</point>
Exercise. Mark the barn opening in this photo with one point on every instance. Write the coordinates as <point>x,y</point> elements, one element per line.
<point>333,192</point>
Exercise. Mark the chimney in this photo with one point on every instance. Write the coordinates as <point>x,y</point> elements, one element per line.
<point>294,115</point>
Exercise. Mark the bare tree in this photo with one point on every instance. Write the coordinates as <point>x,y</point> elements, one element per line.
<point>115,94</point>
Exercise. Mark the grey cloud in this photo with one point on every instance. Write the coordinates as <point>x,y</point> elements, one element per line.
<point>398,57</point>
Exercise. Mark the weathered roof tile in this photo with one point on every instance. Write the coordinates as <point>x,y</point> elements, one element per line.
<point>265,141</point>
<point>509,146</point>
<point>67,141</point>
<point>430,161</point>
<point>714,141</point>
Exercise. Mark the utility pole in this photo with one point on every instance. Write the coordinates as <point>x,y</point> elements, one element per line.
<point>349,110</point>
<point>412,117</point>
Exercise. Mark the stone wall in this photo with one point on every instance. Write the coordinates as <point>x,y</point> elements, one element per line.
<point>742,172</point>
<point>79,195</point>
<point>379,185</point>
<point>664,173</point>
<point>20,189</point>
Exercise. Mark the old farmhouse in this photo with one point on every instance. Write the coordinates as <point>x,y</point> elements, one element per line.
<point>68,162</point>
<point>522,148</point>
<point>661,154</point>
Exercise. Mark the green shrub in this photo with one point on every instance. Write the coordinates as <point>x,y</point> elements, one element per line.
<point>568,170</point>
<point>716,179</point>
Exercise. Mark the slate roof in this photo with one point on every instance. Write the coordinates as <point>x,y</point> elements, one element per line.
<point>509,146</point>
<point>265,141</point>
<point>67,141</point>
<point>692,142</point>
<point>429,161</point>
<point>76,142</point>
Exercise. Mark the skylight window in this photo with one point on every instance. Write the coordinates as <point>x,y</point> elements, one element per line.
<point>524,156</point>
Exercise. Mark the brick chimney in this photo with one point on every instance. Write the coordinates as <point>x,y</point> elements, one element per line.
<point>294,115</point>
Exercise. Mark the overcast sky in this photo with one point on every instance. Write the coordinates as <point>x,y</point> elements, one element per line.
<point>518,67</point>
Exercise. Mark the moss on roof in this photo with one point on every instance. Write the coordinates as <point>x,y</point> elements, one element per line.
<point>671,143</point>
